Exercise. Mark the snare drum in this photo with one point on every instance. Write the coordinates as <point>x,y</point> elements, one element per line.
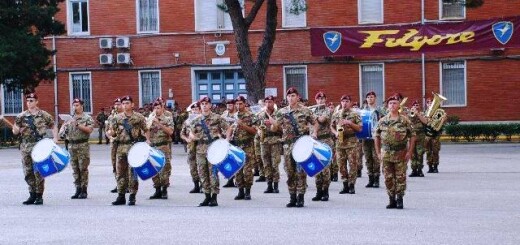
<point>312,155</point>
<point>49,158</point>
<point>369,119</point>
<point>226,157</point>
<point>146,161</point>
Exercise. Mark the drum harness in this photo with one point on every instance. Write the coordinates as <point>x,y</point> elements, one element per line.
<point>205,128</point>
<point>128,129</point>
<point>296,132</point>
<point>35,134</point>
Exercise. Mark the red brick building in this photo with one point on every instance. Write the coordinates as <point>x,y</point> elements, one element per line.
<point>185,49</point>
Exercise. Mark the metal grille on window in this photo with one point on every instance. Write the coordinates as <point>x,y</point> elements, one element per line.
<point>453,9</point>
<point>81,89</point>
<point>150,86</point>
<point>13,103</point>
<point>372,80</point>
<point>148,15</point>
<point>297,77</point>
<point>453,85</point>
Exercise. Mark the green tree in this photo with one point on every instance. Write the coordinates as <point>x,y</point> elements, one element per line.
<point>23,25</point>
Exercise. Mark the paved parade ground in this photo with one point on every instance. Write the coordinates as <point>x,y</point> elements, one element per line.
<point>474,199</point>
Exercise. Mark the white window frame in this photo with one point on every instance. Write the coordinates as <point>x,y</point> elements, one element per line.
<point>361,94</point>
<point>465,83</point>
<point>306,80</point>
<point>449,18</point>
<point>71,89</point>
<point>3,102</point>
<point>197,29</point>
<point>140,83</point>
<point>138,18</point>
<point>284,25</point>
<point>70,29</point>
<point>360,21</point>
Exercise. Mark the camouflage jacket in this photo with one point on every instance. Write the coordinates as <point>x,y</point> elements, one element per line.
<point>215,126</point>
<point>240,136</point>
<point>136,123</point>
<point>157,135</point>
<point>417,126</point>
<point>324,131</point>
<point>394,134</point>
<point>74,133</point>
<point>30,133</point>
<point>302,117</point>
<point>271,137</point>
<point>101,118</point>
<point>349,135</point>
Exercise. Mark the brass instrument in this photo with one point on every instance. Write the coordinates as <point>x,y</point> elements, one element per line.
<point>402,104</point>
<point>262,131</point>
<point>413,112</point>
<point>314,107</point>
<point>436,114</point>
<point>340,130</point>
<point>149,120</point>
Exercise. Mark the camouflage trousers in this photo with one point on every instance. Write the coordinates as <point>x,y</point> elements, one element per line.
<point>192,162</point>
<point>360,156</point>
<point>372,162</point>
<point>433,146</point>
<point>79,161</point>
<point>162,179</point>
<point>113,157</point>
<point>244,177</point>
<point>208,175</point>
<point>351,155</point>
<point>271,157</point>
<point>322,179</point>
<point>258,158</point>
<point>126,177</point>
<point>296,177</point>
<point>33,178</point>
<point>418,152</point>
<point>334,168</point>
<point>395,177</point>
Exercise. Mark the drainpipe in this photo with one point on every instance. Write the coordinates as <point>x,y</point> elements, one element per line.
<point>423,65</point>
<point>54,68</point>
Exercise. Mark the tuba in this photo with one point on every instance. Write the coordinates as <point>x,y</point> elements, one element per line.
<point>435,114</point>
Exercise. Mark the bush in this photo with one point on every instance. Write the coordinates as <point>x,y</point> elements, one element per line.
<point>488,132</point>
<point>452,120</point>
<point>6,137</point>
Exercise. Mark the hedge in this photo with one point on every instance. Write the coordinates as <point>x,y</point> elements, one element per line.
<point>485,132</point>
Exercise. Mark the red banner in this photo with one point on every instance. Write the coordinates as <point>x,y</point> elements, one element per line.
<point>416,38</point>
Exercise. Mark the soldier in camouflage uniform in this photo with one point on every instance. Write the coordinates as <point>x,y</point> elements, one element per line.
<point>101,118</point>
<point>323,116</point>
<point>160,134</point>
<point>433,144</point>
<point>191,148</point>
<point>227,114</point>
<point>355,107</point>
<point>372,162</point>
<point>391,138</point>
<point>77,132</point>
<point>204,129</point>
<point>32,124</point>
<point>241,134</point>
<point>351,123</point>
<point>294,121</point>
<point>334,168</point>
<point>418,121</point>
<point>270,146</point>
<point>128,128</point>
<point>113,144</point>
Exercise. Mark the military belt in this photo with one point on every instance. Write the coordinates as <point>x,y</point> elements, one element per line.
<point>394,148</point>
<point>30,140</point>
<point>78,141</point>
<point>160,143</point>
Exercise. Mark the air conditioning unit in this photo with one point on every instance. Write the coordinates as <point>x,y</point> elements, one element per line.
<point>106,59</point>
<point>123,42</point>
<point>105,43</point>
<point>123,58</point>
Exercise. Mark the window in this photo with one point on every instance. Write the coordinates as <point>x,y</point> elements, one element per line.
<point>209,17</point>
<point>370,11</point>
<point>78,17</point>
<point>147,16</point>
<point>80,87</point>
<point>453,83</point>
<point>12,101</point>
<point>452,9</point>
<point>219,84</point>
<point>149,86</point>
<point>296,76</point>
<point>294,13</point>
<point>372,79</point>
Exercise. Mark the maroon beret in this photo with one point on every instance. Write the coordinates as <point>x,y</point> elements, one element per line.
<point>240,98</point>
<point>345,97</point>
<point>270,97</point>
<point>292,90</point>
<point>31,96</point>
<point>78,100</point>
<point>371,93</point>
<point>205,99</point>
<point>320,94</point>
<point>127,98</point>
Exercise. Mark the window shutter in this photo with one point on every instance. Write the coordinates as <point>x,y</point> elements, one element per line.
<point>290,19</point>
<point>370,11</point>
<point>206,15</point>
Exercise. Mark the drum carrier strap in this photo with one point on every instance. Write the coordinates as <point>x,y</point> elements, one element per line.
<point>293,123</point>
<point>206,130</point>
<point>35,134</point>
<point>128,129</point>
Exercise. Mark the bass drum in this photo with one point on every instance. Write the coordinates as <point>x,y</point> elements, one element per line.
<point>370,120</point>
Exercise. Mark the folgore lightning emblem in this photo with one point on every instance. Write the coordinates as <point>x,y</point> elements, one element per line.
<point>503,31</point>
<point>332,40</point>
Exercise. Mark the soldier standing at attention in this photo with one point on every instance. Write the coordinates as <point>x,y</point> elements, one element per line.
<point>355,108</point>
<point>192,148</point>
<point>391,139</point>
<point>128,128</point>
<point>32,124</point>
<point>118,108</point>
<point>270,146</point>
<point>77,131</point>
<point>294,121</point>
<point>229,113</point>
<point>160,133</point>
<point>101,119</point>
<point>372,162</point>
<point>203,131</point>
<point>418,120</point>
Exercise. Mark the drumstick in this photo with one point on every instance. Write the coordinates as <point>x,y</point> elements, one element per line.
<point>7,122</point>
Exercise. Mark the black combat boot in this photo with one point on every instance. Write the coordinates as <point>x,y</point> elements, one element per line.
<point>121,199</point>
<point>83,194</point>
<point>269,187</point>
<point>240,195</point>
<point>420,173</point>
<point>206,200</point>
<point>376,181</point>
<point>335,177</point>
<point>31,199</point>
<point>430,169</point>
<point>392,203</point>
<point>359,173</point>
<point>413,174</point>
<point>261,179</point>
<point>156,194</point>
<point>213,201</point>
<point>114,190</point>
<point>351,189</point>
<point>196,187</point>
<point>345,188</point>
<point>230,183</point>
<point>275,187</point>
<point>256,172</point>
<point>247,195</point>
<point>292,201</point>
<point>325,196</point>
<point>39,199</point>
<point>164,192</point>
<point>319,195</point>
<point>131,200</point>
<point>300,201</point>
<point>399,202</point>
<point>76,195</point>
<point>370,182</point>
<point>435,169</point>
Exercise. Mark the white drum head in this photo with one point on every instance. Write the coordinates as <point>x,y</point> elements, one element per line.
<point>218,151</point>
<point>42,150</point>
<point>303,148</point>
<point>138,154</point>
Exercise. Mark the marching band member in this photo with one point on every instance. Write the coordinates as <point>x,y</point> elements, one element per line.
<point>242,134</point>
<point>191,149</point>
<point>372,162</point>
<point>418,120</point>
<point>128,128</point>
<point>270,146</point>
<point>118,108</point>
<point>391,138</point>
<point>161,132</point>
<point>294,121</point>
<point>334,168</point>
<point>229,112</point>
<point>355,107</point>
<point>203,131</point>
<point>433,143</point>
<point>77,131</point>
<point>345,123</point>
<point>31,125</point>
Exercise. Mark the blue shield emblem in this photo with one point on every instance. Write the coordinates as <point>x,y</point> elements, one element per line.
<point>332,40</point>
<point>503,31</point>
